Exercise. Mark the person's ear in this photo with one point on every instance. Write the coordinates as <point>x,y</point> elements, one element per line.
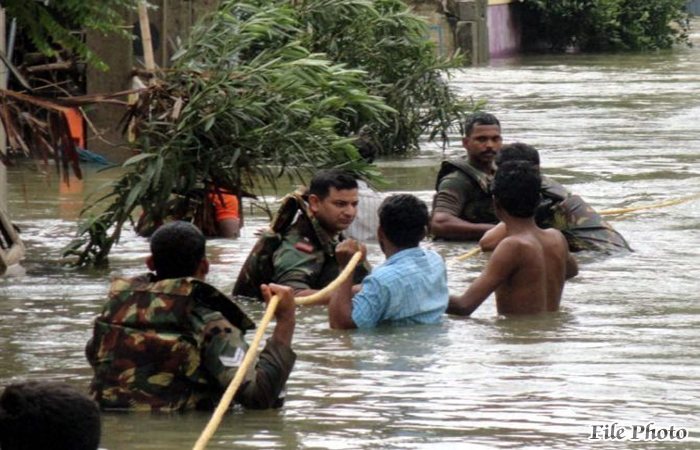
<point>203,267</point>
<point>313,203</point>
<point>149,263</point>
<point>380,234</point>
<point>465,140</point>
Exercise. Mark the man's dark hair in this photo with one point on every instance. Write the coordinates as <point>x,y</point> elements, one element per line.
<point>41,415</point>
<point>404,219</point>
<point>177,249</point>
<point>322,182</point>
<point>480,118</point>
<point>517,188</point>
<point>518,152</point>
<point>366,148</point>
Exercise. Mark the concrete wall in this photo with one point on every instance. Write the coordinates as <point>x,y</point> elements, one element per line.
<point>170,20</point>
<point>694,7</point>
<point>505,36</point>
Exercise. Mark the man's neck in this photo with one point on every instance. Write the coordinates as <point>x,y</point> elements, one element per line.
<point>488,169</point>
<point>516,225</point>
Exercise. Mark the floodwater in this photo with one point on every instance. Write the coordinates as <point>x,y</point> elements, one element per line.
<point>620,130</point>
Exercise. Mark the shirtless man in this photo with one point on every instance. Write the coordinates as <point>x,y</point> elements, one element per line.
<point>529,266</point>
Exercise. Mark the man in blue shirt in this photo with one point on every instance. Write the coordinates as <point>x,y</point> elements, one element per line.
<point>409,288</point>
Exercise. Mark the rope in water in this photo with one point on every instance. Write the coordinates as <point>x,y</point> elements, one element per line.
<point>230,392</point>
<point>678,201</point>
<point>605,212</point>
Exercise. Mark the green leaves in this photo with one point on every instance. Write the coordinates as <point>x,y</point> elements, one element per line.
<point>262,90</point>
<point>593,25</point>
<point>48,25</point>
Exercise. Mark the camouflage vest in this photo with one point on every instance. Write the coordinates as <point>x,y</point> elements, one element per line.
<point>582,226</point>
<point>146,346</point>
<point>480,208</point>
<point>258,268</point>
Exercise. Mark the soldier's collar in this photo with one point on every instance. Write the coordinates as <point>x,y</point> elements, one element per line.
<point>327,241</point>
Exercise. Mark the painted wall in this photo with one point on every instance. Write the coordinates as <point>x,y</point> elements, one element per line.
<point>504,29</point>
<point>694,7</point>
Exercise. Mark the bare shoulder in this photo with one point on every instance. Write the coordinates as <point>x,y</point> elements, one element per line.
<point>555,236</point>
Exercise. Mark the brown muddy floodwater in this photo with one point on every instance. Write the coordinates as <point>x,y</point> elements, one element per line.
<point>619,130</point>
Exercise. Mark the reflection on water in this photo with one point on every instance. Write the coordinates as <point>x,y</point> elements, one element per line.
<point>619,130</point>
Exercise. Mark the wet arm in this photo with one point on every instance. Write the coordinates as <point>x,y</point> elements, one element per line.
<point>497,271</point>
<point>340,307</point>
<point>445,222</point>
<point>446,226</point>
<point>492,237</point>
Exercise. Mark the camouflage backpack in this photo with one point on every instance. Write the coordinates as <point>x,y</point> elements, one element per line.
<point>258,267</point>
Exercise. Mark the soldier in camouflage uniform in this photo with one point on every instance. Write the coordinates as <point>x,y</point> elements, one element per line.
<point>582,226</point>
<point>462,207</point>
<point>301,253</point>
<point>170,341</point>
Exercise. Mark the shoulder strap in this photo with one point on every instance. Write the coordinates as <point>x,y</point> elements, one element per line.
<point>212,298</point>
<point>447,167</point>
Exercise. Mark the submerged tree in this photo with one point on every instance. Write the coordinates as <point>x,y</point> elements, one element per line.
<point>264,89</point>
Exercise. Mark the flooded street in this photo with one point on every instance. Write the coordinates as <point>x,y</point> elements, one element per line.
<point>619,130</point>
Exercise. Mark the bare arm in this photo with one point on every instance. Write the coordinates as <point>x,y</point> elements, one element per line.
<point>340,306</point>
<point>447,226</point>
<point>229,228</point>
<point>499,268</point>
<point>492,237</point>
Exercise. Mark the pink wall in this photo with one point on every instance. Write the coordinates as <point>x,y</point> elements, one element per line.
<point>504,31</point>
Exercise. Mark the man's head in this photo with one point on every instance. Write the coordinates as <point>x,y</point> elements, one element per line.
<point>516,188</point>
<point>177,250</point>
<point>39,415</point>
<point>518,152</point>
<point>333,199</point>
<point>403,220</point>
<point>482,138</point>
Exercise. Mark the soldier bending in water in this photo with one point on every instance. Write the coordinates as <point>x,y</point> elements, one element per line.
<point>170,341</point>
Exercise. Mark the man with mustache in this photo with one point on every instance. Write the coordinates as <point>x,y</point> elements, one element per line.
<point>299,249</point>
<point>462,206</point>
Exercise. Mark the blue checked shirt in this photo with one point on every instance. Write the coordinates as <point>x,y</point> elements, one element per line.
<point>409,288</point>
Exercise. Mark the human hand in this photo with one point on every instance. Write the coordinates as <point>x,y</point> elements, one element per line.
<point>347,249</point>
<point>262,230</point>
<point>286,308</point>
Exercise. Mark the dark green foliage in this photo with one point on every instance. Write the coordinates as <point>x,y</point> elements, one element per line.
<point>49,27</point>
<point>268,88</point>
<point>595,25</point>
<point>383,38</point>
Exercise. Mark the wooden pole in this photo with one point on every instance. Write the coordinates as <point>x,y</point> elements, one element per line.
<point>146,40</point>
<point>230,392</point>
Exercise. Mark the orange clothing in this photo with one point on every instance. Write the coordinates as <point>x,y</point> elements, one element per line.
<point>226,206</point>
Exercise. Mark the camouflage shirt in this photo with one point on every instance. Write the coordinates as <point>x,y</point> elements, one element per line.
<point>306,257</point>
<point>175,344</point>
<point>297,253</point>
<point>464,192</point>
<point>582,226</point>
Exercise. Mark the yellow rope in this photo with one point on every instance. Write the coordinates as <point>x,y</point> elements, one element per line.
<point>314,298</point>
<point>226,399</point>
<point>678,201</point>
<point>605,212</point>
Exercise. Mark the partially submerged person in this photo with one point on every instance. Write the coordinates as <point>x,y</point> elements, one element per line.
<point>410,287</point>
<point>38,415</point>
<point>301,253</point>
<point>215,211</point>
<point>529,266</point>
<point>582,226</point>
<point>462,205</point>
<point>170,341</point>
